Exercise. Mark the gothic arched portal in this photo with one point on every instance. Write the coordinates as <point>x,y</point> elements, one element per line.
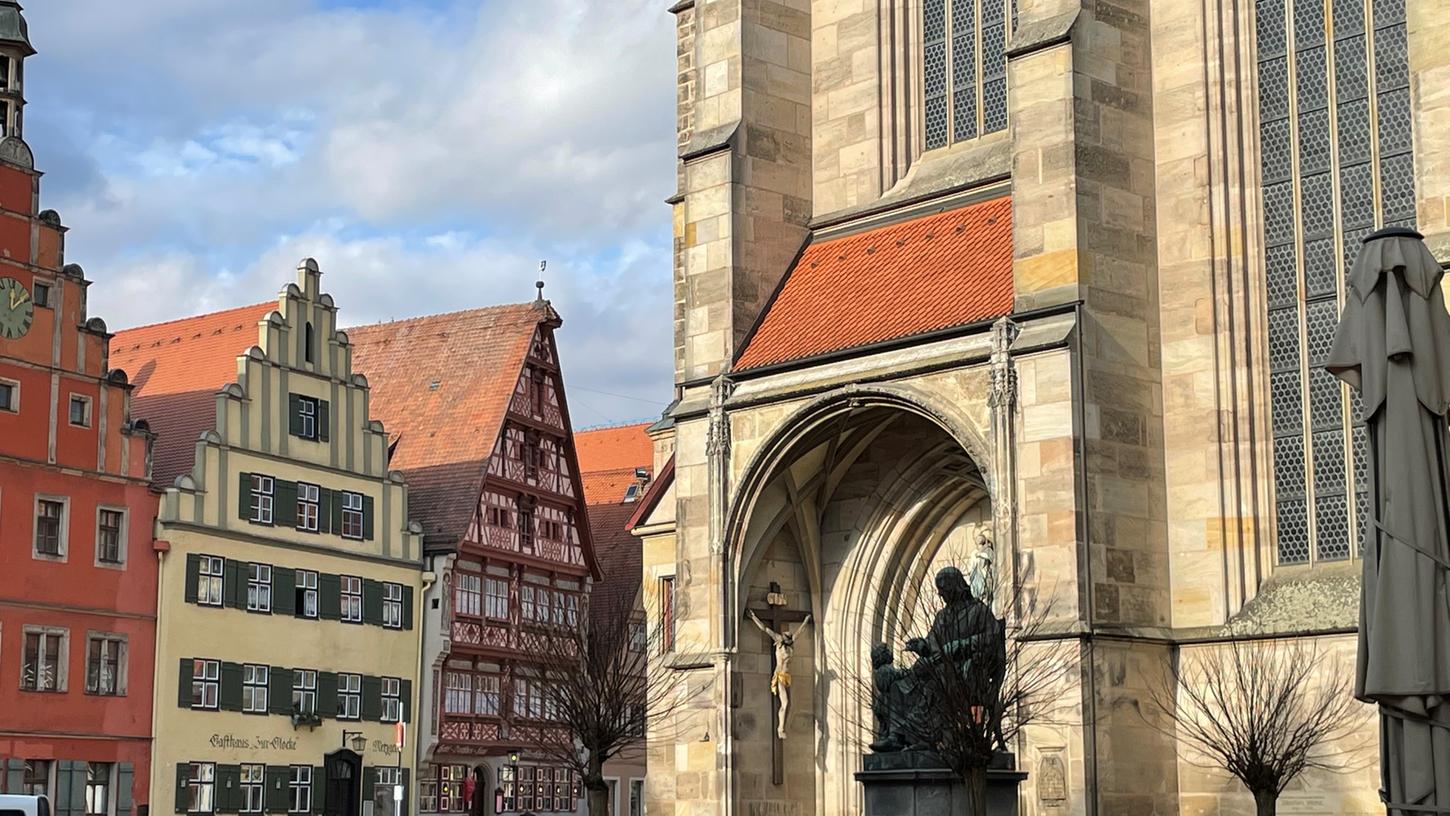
<point>847,509</point>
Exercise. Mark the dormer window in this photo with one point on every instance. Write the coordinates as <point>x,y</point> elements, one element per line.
<point>965,69</point>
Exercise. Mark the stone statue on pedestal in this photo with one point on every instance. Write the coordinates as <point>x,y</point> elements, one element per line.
<point>963,654</point>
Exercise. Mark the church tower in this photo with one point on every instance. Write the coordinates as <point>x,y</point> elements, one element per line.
<point>1056,273</point>
<point>14,48</point>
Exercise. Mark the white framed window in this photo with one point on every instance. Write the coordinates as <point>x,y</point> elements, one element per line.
<point>351,601</point>
<point>307,417</point>
<point>251,799</point>
<point>52,518</point>
<point>496,598</point>
<point>9,396</point>
<point>636,797</point>
<point>393,606</point>
<point>98,788</point>
<point>105,664</point>
<point>209,580</point>
<point>307,507</point>
<point>110,536</point>
<point>467,595</point>
<point>259,588</point>
<point>254,689</point>
<point>526,602</point>
<point>306,593</point>
<point>201,788</point>
<point>262,494</point>
<point>44,659</point>
<point>543,602</point>
<point>349,696</point>
<point>489,698</point>
<point>392,699</point>
<point>304,691</point>
<point>560,608</point>
<point>352,515</point>
<point>457,693</point>
<point>299,789</point>
<point>205,683</point>
<point>80,411</point>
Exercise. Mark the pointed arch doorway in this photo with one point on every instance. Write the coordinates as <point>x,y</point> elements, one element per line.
<point>846,512</point>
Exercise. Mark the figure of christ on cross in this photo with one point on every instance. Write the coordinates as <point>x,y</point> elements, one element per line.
<point>784,640</point>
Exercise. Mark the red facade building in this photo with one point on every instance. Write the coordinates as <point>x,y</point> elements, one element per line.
<point>77,568</point>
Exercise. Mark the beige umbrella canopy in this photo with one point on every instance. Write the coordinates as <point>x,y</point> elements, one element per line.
<point>1393,345</point>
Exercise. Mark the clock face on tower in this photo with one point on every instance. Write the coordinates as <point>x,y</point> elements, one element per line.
<point>16,309</point>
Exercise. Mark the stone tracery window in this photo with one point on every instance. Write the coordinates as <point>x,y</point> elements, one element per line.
<point>1336,163</point>
<point>965,68</point>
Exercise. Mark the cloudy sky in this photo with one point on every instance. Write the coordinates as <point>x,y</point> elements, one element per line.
<point>427,152</point>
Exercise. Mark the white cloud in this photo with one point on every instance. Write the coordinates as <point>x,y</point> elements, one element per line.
<point>427,152</point>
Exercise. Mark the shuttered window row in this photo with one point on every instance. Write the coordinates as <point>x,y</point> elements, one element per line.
<point>75,781</point>
<point>312,508</point>
<point>205,787</point>
<point>209,684</point>
<point>273,590</point>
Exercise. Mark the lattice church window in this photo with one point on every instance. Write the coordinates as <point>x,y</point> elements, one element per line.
<point>1335,153</point>
<point>965,68</point>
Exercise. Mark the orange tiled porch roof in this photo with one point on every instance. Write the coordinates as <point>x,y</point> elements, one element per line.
<point>895,281</point>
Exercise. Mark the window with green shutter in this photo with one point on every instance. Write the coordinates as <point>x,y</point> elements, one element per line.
<point>125,778</point>
<point>277,778</point>
<point>372,611</point>
<point>372,698</point>
<point>327,694</point>
<point>230,695</point>
<point>181,793</point>
<point>330,597</point>
<point>307,417</point>
<point>286,506</point>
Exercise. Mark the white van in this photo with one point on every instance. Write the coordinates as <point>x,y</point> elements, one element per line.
<point>15,805</point>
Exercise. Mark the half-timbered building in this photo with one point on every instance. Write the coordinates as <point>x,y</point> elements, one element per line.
<point>480,427</point>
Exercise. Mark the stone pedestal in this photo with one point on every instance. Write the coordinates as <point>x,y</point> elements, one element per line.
<point>915,783</point>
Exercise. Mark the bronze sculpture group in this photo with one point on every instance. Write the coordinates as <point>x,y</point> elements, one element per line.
<point>959,669</point>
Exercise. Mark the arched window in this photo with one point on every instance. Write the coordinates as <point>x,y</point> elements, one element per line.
<point>965,68</point>
<point>308,352</point>
<point>1326,71</point>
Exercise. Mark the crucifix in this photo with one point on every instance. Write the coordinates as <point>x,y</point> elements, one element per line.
<point>783,642</point>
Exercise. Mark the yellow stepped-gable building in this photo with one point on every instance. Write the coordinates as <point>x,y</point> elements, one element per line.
<point>288,650</point>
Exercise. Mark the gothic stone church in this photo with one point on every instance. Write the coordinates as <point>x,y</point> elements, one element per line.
<point>1060,271</point>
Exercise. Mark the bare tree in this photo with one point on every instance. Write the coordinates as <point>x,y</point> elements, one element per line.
<point>975,696</point>
<point>1261,710</point>
<point>596,695</point>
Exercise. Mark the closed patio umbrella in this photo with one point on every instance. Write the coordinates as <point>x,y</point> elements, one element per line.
<point>1393,345</point>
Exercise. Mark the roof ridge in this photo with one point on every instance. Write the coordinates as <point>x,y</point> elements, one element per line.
<point>498,307</point>
<point>159,324</point>
<point>617,427</point>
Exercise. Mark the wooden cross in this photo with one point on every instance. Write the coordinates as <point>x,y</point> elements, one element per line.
<point>775,615</point>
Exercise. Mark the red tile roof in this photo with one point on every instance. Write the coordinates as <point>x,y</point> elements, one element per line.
<point>895,281</point>
<point>607,459</point>
<point>177,367</point>
<point>440,385</point>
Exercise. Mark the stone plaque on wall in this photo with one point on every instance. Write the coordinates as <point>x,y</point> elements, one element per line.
<point>1052,784</point>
